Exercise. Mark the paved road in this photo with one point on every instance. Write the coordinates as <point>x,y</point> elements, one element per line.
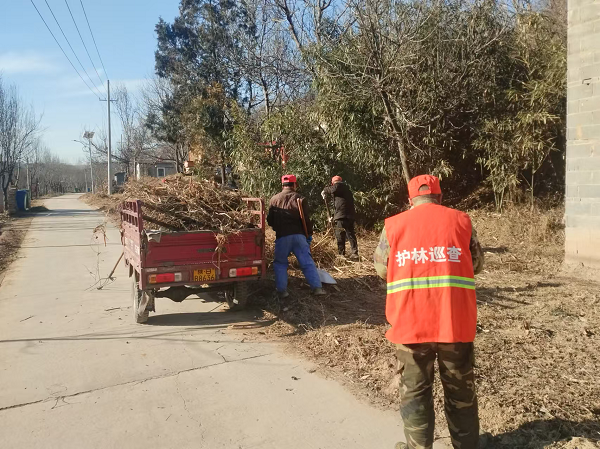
<point>75,372</point>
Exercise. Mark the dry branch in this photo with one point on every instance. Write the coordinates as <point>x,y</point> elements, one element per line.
<point>189,204</point>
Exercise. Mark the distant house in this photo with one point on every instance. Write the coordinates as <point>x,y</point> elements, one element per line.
<point>155,169</point>
<point>120,178</point>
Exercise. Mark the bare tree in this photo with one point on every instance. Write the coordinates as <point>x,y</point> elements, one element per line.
<point>267,58</point>
<point>137,142</point>
<point>50,175</point>
<point>19,129</point>
<point>124,105</point>
<point>162,117</point>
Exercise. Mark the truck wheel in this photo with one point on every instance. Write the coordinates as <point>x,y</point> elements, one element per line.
<point>238,299</point>
<point>141,301</point>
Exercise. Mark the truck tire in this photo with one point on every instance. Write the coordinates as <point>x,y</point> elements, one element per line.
<point>238,299</point>
<point>141,301</point>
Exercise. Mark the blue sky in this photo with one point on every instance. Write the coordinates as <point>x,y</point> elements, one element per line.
<point>30,58</point>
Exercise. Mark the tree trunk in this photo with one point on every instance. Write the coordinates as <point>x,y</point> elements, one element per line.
<point>397,135</point>
<point>265,89</point>
<point>532,179</point>
<point>223,180</point>
<point>5,197</point>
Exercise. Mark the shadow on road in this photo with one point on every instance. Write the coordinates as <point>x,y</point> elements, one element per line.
<point>42,210</point>
<point>499,296</point>
<point>206,319</point>
<point>153,330</point>
<point>541,433</point>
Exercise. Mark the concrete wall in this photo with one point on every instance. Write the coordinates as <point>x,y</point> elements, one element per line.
<point>151,169</point>
<point>169,167</point>
<point>583,134</point>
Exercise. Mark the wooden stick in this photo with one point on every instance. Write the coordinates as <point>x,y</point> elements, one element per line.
<point>115,267</point>
<point>329,220</point>
<point>327,208</point>
<point>302,217</point>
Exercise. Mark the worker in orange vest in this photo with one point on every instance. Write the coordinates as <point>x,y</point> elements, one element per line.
<point>429,256</point>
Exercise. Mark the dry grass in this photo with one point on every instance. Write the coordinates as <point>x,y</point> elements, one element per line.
<point>537,342</point>
<point>521,239</point>
<point>108,204</point>
<point>12,233</point>
<point>13,230</point>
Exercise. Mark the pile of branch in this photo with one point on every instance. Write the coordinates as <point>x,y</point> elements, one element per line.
<point>180,203</point>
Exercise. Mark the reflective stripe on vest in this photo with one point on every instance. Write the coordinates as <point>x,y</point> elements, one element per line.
<point>430,282</point>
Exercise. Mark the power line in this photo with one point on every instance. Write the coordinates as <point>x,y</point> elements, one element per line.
<point>64,53</point>
<point>76,57</point>
<point>90,27</point>
<point>83,42</point>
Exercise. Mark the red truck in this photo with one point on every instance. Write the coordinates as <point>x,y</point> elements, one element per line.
<point>176,265</point>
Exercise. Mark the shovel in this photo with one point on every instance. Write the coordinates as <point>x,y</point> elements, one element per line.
<point>329,222</point>
<point>325,277</point>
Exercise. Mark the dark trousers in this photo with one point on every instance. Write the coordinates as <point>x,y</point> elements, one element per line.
<point>455,361</point>
<point>345,228</point>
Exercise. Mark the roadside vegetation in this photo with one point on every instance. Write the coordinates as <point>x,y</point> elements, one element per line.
<point>374,91</point>
<point>474,92</point>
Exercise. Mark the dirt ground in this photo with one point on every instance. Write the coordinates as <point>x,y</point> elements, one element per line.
<point>536,347</point>
<point>537,341</point>
<point>105,203</point>
<point>12,233</point>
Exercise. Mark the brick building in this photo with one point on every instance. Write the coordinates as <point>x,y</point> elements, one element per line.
<point>583,134</point>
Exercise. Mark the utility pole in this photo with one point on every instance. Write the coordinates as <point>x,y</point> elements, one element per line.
<point>109,140</point>
<point>28,187</point>
<point>86,185</point>
<point>108,100</point>
<point>89,135</point>
<point>91,163</point>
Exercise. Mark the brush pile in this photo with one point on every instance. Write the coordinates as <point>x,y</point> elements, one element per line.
<point>178,203</point>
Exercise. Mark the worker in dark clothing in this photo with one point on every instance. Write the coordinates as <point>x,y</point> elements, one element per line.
<point>343,218</point>
<point>285,219</point>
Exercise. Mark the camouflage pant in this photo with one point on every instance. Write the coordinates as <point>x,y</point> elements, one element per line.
<point>455,361</point>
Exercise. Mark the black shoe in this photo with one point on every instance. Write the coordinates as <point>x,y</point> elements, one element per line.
<point>283,295</point>
<point>485,439</point>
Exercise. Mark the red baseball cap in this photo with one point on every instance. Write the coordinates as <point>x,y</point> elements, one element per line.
<point>433,182</point>
<point>288,179</point>
<point>336,179</point>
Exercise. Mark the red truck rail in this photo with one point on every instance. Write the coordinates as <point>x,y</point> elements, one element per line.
<point>176,265</point>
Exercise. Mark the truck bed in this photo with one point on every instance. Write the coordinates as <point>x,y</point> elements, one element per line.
<point>197,257</point>
<point>166,249</point>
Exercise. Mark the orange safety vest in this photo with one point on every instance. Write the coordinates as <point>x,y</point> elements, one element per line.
<point>430,280</point>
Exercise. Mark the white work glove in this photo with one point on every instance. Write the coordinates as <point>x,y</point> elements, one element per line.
<point>323,194</point>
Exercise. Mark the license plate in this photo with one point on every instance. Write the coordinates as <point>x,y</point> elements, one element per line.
<point>207,274</point>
